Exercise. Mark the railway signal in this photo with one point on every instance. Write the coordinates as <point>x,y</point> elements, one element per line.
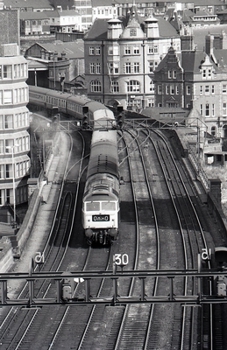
<point>85,117</point>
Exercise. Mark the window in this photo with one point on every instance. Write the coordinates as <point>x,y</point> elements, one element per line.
<point>98,68</point>
<point>91,50</point>
<point>108,206</point>
<point>1,121</point>
<point>153,49</point>
<point>169,74</point>
<point>172,90</point>
<point>7,72</point>
<point>207,110</point>
<point>8,167</point>
<point>1,146</point>
<point>151,87</point>
<point>136,67</point>
<point>95,86</point>
<point>174,74</point>
<point>213,130</point>
<point>207,89</point>
<point>133,32</point>
<point>177,90</point>
<point>159,89</point>
<point>136,50</point>
<point>224,108</point>
<point>92,68</point>
<point>113,68</point>
<point>201,109</point>
<point>188,90</point>
<point>151,67</point>
<point>201,89</point>
<point>167,89</point>
<point>133,86</point>
<point>224,88</point>
<point>93,206</point>
<point>213,109</point>
<point>8,121</point>
<point>212,89</point>
<point>127,50</point>
<point>7,97</point>
<point>98,50</point>
<point>128,67</point>
<point>114,86</point>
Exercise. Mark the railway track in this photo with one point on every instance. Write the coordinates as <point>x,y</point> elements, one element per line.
<point>183,332</point>
<point>159,230</point>
<point>19,326</point>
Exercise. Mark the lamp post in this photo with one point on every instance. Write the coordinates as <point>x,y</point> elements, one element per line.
<point>14,187</point>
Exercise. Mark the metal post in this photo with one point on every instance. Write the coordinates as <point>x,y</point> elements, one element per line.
<point>171,298</point>
<point>142,279</point>
<point>3,292</point>
<point>87,289</point>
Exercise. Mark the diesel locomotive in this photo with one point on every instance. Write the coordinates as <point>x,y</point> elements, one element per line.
<point>100,205</point>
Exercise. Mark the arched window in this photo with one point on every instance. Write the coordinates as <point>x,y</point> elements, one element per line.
<point>95,86</point>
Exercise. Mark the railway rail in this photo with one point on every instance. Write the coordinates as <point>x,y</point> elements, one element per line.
<point>19,334</point>
<point>158,202</point>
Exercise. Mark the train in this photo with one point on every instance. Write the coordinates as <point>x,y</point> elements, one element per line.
<point>80,107</point>
<point>100,202</point>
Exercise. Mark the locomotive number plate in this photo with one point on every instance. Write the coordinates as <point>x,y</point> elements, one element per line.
<point>100,218</point>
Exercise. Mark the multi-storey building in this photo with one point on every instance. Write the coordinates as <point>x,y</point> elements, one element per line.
<point>196,80</point>
<point>119,59</point>
<point>14,115</point>
<point>84,9</point>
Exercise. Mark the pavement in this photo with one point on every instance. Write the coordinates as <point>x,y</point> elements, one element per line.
<point>45,215</point>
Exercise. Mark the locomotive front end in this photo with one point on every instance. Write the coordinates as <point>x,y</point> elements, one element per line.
<point>100,215</point>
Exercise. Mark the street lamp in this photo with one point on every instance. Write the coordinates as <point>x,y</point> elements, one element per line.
<point>14,188</point>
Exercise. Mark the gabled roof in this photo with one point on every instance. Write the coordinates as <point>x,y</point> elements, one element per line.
<point>190,61</point>
<point>73,49</point>
<point>98,30</point>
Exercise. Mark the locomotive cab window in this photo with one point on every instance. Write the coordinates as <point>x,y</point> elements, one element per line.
<point>93,206</point>
<point>108,206</point>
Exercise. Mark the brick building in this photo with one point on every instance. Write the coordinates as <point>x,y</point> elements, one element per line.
<point>121,55</point>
